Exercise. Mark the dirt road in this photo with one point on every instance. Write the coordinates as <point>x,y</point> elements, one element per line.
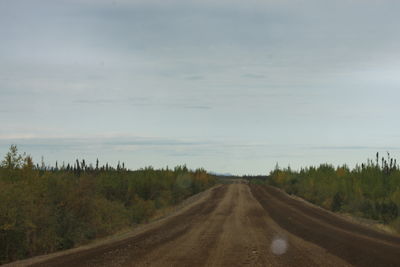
<point>239,225</point>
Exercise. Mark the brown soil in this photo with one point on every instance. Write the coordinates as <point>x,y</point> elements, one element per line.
<point>356,244</point>
<point>227,226</point>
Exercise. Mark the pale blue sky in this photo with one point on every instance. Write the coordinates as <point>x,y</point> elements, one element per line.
<point>232,86</point>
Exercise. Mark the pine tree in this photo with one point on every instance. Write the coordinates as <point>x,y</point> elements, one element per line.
<point>78,168</point>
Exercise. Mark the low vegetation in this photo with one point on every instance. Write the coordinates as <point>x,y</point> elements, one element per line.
<point>370,190</point>
<point>45,209</point>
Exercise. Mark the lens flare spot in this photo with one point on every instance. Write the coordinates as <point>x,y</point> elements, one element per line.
<point>279,246</point>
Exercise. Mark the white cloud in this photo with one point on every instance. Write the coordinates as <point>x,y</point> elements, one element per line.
<point>285,72</point>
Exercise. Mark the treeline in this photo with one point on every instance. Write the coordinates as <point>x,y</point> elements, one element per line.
<point>370,190</point>
<point>256,179</point>
<point>44,209</point>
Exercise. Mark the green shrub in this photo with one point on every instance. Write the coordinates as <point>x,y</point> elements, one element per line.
<point>370,190</point>
<point>44,209</point>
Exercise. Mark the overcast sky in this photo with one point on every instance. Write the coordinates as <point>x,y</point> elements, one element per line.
<point>231,86</point>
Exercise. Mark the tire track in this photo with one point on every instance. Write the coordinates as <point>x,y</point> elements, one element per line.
<point>137,247</point>
<point>238,225</point>
<point>356,244</point>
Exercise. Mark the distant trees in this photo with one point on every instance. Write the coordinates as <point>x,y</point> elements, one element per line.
<point>371,190</point>
<point>44,208</point>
